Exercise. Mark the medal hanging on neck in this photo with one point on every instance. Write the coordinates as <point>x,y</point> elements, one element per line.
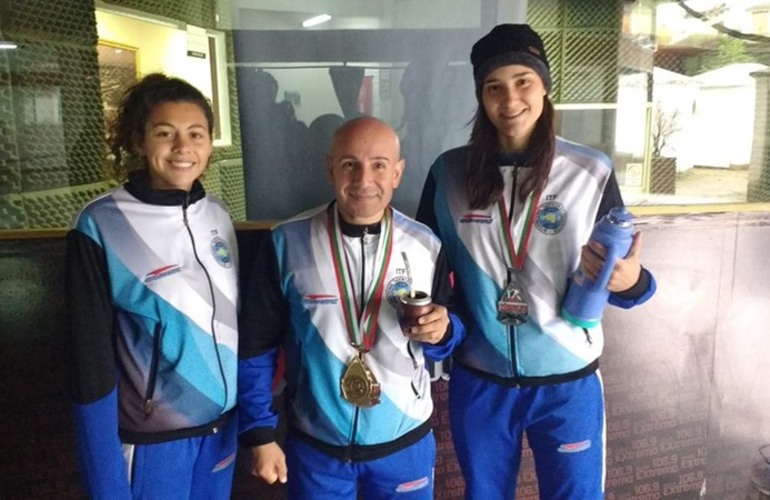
<point>358,384</point>
<point>512,307</point>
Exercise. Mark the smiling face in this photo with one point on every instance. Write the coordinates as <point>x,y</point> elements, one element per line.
<point>176,145</point>
<point>365,167</point>
<point>512,97</point>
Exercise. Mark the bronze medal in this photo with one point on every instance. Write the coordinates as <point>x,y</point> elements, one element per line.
<point>358,385</point>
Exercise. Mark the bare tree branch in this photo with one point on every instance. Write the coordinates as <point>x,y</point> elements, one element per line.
<point>706,17</point>
<point>665,124</point>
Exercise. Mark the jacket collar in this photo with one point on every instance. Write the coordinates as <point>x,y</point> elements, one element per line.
<point>354,230</point>
<point>515,159</point>
<point>138,185</point>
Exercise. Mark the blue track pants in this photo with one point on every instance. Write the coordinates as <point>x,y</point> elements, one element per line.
<point>564,424</point>
<point>185,469</point>
<point>405,474</point>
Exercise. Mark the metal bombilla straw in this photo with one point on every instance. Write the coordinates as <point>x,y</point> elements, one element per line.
<point>408,274</point>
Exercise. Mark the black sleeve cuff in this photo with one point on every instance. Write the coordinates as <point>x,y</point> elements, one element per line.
<point>257,436</point>
<point>447,335</point>
<point>639,289</point>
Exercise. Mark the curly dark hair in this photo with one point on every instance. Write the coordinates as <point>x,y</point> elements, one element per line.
<point>127,130</point>
<point>483,181</point>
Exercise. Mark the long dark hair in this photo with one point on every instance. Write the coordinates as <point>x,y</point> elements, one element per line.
<point>483,181</point>
<point>127,130</point>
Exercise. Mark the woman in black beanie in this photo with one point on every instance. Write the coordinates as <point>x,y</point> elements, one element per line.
<point>514,209</point>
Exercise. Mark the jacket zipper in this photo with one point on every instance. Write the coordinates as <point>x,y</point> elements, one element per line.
<point>153,375</point>
<point>362,297</point>
<point>415,366</point>
<point>349,452</point>
<point>511,328</point>
<point>213,299</point>
<point>356,412</point>
<point>515,371</point>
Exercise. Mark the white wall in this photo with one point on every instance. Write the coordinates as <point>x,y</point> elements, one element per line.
<point>163,47</point>
<point>630,126</point>
<point>398,14</point>
<point>158,47</point>
<point>724,116</point>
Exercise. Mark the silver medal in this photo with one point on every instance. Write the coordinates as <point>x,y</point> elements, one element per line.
<point>512,307</point>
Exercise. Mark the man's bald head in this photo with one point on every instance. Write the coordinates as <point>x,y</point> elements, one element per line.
<point>365,166</point>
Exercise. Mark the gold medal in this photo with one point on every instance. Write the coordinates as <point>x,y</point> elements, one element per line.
<point>358,385</point>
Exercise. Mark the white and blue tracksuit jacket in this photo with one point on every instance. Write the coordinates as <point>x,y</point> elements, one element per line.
<point>293,301</point>
<point>152,291</point>
<point>546,349</point>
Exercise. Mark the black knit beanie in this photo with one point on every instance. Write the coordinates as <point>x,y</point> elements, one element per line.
<point>509,44</point>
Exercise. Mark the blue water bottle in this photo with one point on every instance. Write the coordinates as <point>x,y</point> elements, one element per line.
<point>585,300</point>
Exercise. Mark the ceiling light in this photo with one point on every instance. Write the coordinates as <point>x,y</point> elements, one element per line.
<point>315,21</point>
<point>8,45</point>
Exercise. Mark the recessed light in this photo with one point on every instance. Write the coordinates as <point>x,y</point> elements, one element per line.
<point>8,45</point>
<point>315,21</point>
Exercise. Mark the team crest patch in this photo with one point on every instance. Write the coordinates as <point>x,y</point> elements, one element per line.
<point>221,252</point>
<point>396,287</point>
<point>551,217</point>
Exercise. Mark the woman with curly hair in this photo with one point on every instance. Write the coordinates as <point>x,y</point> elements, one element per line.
<point>152,291</point>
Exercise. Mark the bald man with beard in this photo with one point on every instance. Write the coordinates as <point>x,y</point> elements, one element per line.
<point>325,291</point>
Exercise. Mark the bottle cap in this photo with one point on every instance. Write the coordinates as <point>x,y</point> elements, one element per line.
<point>620,216</point>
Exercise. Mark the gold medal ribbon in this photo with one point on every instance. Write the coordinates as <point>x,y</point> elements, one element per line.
<point>362,327</point>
